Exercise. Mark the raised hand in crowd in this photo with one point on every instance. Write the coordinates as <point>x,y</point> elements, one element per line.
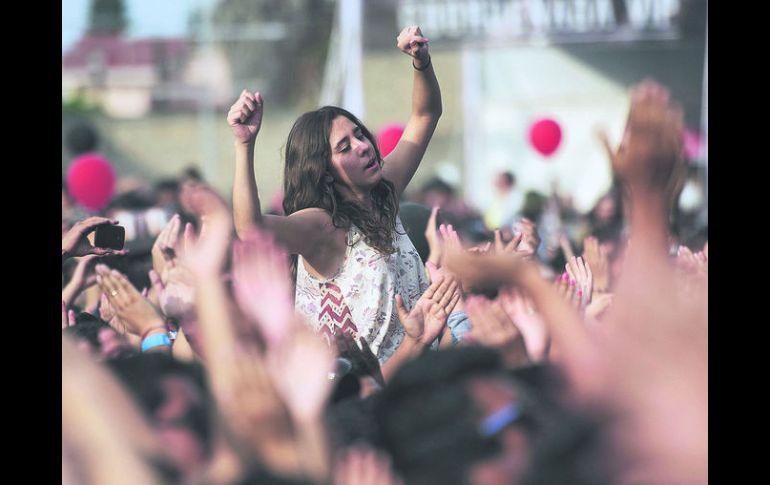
<point>562,321</point>
<point>171,280</point>
<point>242,374</point>
<point>361,465</point>
<point>649,160</point>
<point>521,311</point>
<point>175,291</point>
<point>580,273</point>
<point>530,239</point>
<point>167,246</point>
<point>595,310</point>
<point>455,300</point>
<point>244,391</point>
<point>494,328</point>
<point>300,366</point>
<point>509,246</point>
<point>67,316</point>
<point>694,264</point>
<point>425,322</point>
<point>596,257</point>
<point>82,277</point>
<point>568,290</point>
<point>365,363</point>
<point>450,238</point>
<point>657,356</point>
<point>131,308</point>
<point>411,42</point>
<point>76,241</point>
<point>245,117</point>
<point>105,437</point>
<point>262,286</point>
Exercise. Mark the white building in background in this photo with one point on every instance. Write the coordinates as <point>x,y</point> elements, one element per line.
<point>514,72</point>
<point>129,78</point>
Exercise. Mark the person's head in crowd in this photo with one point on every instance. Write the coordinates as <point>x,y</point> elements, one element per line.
<point>82,138</point>
<point>175,398</point>
<point>436,192</point>
<point>606,218</point>
<point>324,169</point>
<point>191,174</point>
<point>97,338</point>
<point>415,219</point>
<point>134,193</point>
<point>135,265</point>
<point>573,450</point>
<point>456,416</point>
<point>534,205</point>
<point>606,223</point>
<point>352,420</point>
<point>572,445</point>
<point>167,193</point>
<point>505,182</point>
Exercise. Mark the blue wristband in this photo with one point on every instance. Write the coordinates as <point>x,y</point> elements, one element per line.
<point>495,422</point>
<point>155,340</point>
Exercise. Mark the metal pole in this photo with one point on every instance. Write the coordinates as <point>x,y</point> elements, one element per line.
<point>205,110</point>
<point>705,119</point>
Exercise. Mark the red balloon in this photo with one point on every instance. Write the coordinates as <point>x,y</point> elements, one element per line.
<point>91,181</point>
<point>388,137</point>
<point>545,136</point>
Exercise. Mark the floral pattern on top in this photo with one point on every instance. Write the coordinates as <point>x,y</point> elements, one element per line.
<point>361,297</point>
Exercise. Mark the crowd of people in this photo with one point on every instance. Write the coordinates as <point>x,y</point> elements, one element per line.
<point>356,338</point>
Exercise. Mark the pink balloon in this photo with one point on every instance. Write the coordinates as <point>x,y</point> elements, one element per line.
<point>545,136</point>
<point>91,181</point>
<point>388,137</point>
<point>693,144</point>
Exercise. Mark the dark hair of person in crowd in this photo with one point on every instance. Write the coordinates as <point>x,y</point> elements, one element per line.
<point>435,184</point>
<point>103,341</point>
<point>82,138</point>
<point>415,217</point>
<point>171,185</point>
<point>606,218</point>
<point>309,180</point>
<point>573,450</point>
<point>135,265</point>
<point>534,205</point>
<point>134,200</point>
<point>192,173</point>
<point>87,328</point>
<point>432,422</point>
<point>175,397</point>
<point>353,421</point>
<point>507,178</point>
<point>571,447</point>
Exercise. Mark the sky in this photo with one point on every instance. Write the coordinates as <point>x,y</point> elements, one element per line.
<point>146,18</point>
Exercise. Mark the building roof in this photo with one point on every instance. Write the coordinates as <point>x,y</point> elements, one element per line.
<point>121,52</point>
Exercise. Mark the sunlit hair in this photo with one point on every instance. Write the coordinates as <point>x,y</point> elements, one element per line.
<point>308,180</point>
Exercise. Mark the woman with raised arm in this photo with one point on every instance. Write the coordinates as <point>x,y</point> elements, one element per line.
<point>341,204</point>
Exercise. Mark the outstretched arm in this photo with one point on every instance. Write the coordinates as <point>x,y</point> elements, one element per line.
<point>245,119</point>
<point>303,232</point>
<point>401,164</point>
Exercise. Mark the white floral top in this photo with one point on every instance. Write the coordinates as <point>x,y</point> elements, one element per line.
<point>360,297</point>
